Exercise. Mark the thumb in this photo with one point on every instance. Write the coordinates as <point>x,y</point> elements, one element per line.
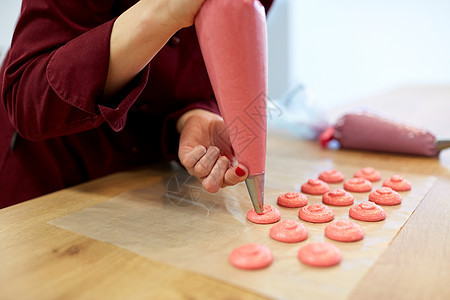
<point>235,175</point>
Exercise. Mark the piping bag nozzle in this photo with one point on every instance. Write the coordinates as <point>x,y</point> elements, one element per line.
<point>255,186</point>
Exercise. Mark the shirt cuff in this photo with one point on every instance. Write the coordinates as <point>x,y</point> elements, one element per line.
<point>85,60</point>
<point>116,117</point>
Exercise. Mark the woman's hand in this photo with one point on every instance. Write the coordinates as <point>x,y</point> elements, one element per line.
<point>205,150</point>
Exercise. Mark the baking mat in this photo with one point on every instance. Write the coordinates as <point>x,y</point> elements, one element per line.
<point>178,223</point>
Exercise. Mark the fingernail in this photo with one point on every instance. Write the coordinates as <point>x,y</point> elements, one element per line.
<point>224,155</point>
<point>239,172</point>
<point>201,147</point>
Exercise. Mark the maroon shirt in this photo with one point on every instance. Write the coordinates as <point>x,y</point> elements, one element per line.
<point>55,130</point>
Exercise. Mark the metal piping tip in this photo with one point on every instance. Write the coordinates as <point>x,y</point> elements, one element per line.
<point>255,186</point>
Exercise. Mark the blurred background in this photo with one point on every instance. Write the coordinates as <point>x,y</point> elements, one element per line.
<point>342,50</point>
<point>348,49</point>
<point>9,12</point>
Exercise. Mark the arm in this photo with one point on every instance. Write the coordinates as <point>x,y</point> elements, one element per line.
<point>64,56</point>
<point>142,30</point>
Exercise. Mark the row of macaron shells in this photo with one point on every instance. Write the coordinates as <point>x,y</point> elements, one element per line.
<point>324,254</point>
<point>362,182</point>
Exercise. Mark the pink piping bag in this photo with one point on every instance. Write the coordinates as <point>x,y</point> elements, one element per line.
<point>233,40</point>
<point>367,130</point>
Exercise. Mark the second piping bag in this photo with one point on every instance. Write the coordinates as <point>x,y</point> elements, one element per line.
<point>369,130</point>
<point>233,40</point>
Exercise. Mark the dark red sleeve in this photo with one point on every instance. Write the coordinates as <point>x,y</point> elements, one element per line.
<point>55,72</point>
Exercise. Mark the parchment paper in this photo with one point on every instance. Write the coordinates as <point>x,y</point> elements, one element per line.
<point>178,223</point>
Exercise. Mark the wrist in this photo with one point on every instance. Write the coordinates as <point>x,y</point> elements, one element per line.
<point>165,14</point>
<point>155,14</point>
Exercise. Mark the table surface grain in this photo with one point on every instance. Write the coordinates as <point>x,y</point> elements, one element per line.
<point>41,261</point>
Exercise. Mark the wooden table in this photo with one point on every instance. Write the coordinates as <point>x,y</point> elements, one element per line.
<point>41,261</point>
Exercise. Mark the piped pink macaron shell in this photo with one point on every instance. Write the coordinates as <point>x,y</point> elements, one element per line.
<point>320,254</point>
<point>331,176</point>
<point>368,173</point>
<point>251,257</point>
<point>316,213</point>
<point>292,200</point>
<point>367,211</point>
<point>358,185</point>
<point>344,231</point>
<point>269,215</point>
<point>338,197</point>
<point>315,187</point>
<point>288,231</point>
<point>398,183</point>
<point>385,196</point>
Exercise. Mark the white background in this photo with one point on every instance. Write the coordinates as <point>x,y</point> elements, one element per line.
<point>348,49</point>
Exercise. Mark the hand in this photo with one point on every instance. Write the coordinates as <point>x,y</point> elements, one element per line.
<point>205,150</point>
